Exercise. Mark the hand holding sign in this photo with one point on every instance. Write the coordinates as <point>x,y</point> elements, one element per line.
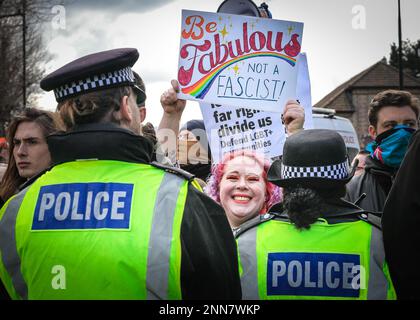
<point>170,102</point>
<point>293,116</point>
<point>169,124</point>
<point>238,60</point>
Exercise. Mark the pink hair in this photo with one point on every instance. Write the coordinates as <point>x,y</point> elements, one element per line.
<point>273,192</point>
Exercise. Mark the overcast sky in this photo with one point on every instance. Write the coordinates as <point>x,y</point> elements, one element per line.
<point>338,41</point>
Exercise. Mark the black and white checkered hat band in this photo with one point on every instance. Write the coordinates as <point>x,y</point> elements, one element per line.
<point>103,80</point>
<point>336,171</point>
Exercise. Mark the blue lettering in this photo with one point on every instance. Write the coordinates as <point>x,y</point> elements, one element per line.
<point>83,206</point>
<point>313,274</point>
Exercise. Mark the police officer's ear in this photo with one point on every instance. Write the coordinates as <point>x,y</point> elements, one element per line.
<point>142,111</point>
<point>126,114</point>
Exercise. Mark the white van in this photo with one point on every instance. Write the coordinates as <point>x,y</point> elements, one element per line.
<point>324,118</point>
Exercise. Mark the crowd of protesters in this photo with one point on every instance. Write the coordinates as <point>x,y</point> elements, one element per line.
<point>131,214</point>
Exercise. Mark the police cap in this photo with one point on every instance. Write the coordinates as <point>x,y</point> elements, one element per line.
<point>314,158</point>
<point>101,70</point>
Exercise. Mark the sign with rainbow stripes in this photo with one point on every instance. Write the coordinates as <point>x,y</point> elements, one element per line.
<point>234,128</point>
<point>238,60</point>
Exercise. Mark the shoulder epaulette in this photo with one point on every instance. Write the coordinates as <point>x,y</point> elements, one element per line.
<point>280,216</point>
<point>175,170</point>
<point>261,218</point>
<point>371,218</point>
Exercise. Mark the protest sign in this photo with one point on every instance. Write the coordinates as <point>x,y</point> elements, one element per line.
<point>303,90</point>
<point>230,129</point>
<point>238,60</point>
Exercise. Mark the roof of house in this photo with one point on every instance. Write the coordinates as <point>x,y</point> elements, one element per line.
<point>380,75</point>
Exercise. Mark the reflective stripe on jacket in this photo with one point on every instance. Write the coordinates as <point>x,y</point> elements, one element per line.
<point>328,261</point>
<point>94,230</point>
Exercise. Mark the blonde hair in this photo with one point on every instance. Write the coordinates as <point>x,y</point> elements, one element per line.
<point>93,107</point>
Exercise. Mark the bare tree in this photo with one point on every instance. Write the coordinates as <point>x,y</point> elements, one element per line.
<point>13,16</point>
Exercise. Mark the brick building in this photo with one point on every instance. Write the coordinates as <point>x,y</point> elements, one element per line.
<point>351,99</point>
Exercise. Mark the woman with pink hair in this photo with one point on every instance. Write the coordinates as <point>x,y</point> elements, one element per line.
<point>239,184</point>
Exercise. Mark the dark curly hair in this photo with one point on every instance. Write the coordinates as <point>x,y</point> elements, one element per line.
<point>304,205</point>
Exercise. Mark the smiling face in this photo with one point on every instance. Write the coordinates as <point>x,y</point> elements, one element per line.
<point>30,150</point>
<point>242,189</point>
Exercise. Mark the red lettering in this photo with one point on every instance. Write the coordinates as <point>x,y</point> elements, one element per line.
<point>277,45</point>
<point>219,46</point>
<point>211,27</point>
<point>245,33</point>
<point>220,53</point>
<point>292,49</point>
<point>261,40</point>
<point>238,49</point>
<point>192,20</point>
<point>185,75</point>
<point>201,67</point>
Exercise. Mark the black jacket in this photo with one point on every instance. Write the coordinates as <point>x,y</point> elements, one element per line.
<point>401,225</point>
<point>376,181</point>
<point>209,265</point>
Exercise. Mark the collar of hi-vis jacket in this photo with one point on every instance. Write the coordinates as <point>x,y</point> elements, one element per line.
<point>101,142</point>
<point>336,211</point>
<point>333,208</point>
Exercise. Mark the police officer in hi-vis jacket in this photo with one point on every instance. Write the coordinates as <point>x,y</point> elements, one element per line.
<point>104,222</point>
<point>313,245</point>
